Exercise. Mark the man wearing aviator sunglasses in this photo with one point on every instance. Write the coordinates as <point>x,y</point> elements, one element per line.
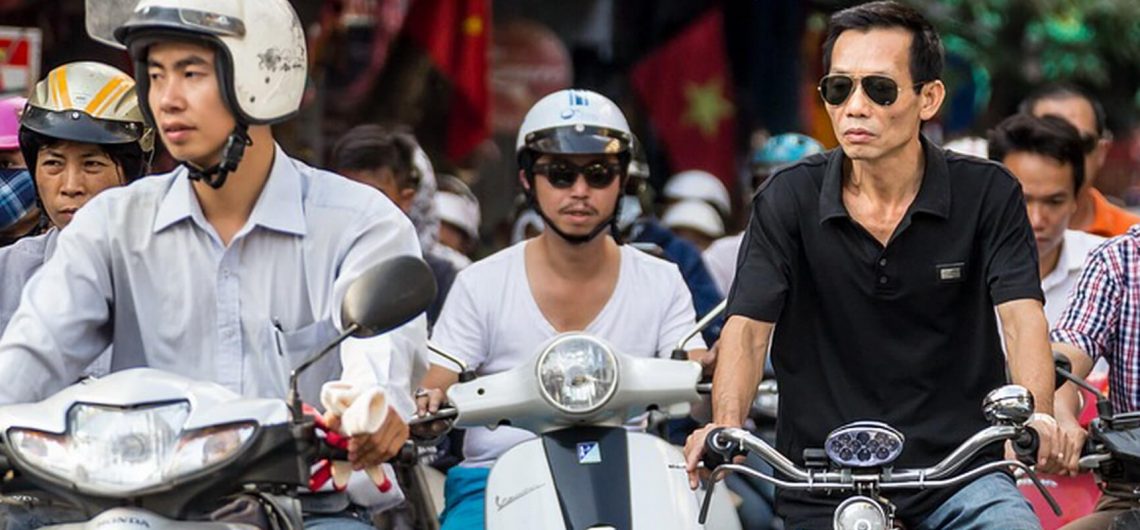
<point>872,272</point>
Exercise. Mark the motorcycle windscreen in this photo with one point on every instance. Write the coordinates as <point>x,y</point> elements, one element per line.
<point>103,16</point>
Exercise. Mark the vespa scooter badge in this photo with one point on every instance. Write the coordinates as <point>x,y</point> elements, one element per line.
<point>589,453</point>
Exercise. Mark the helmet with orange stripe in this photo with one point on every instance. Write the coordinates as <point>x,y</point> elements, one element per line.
<point>92,103</point>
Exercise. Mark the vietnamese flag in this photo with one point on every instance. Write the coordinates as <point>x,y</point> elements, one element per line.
<point>686,86</point>
<point>454,33</point>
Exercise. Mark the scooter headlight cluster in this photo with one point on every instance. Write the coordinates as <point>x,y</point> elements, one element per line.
<point>115,451</point>
<point>577,374</point>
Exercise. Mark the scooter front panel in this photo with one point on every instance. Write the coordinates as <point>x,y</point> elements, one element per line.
<point>520,491</point>
<point>661,498</point>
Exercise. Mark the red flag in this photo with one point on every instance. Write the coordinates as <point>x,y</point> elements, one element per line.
<point>687,88</point>
<point>454,33</point>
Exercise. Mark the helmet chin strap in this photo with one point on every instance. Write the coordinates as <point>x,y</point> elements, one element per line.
<point>215,175</point>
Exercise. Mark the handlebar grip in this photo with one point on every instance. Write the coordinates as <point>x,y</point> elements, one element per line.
<point>716,455</point>
<point>1025,446</point>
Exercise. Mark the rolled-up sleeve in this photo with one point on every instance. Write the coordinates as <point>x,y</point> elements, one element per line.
<point>63,321</point>
<point>395,360</point>
<point>1090,320</point>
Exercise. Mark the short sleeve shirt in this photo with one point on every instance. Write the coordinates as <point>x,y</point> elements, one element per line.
<point>903,333</point>
<point>492,322</point>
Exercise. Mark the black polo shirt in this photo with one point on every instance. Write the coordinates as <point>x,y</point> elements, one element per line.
<point>905,334</point>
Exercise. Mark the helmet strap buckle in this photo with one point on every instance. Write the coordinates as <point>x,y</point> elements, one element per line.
<point>215,175</point>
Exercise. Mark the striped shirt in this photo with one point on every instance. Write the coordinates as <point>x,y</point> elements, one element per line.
<point>1103,315</point>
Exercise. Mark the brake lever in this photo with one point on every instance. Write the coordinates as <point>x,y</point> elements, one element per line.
<point>1032,474</point>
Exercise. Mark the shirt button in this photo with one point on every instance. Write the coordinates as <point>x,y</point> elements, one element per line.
<point>882,280</point>
<point>883,262</point>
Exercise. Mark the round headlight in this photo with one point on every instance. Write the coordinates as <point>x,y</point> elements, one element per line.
<point>577,373</point>
<point>860,513</point>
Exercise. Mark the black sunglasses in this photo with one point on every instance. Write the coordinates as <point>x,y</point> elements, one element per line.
<point>562,174</point>
<point>836,88</point>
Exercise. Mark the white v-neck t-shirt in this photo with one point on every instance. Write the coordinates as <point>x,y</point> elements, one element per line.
<point>492,321</point>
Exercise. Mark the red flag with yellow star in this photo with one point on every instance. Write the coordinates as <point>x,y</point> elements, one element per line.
<point>687,88</point>
<point>454,33</point>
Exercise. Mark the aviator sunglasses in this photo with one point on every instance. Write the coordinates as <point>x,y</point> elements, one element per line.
<point>882,90</point>
<point>563,175</point>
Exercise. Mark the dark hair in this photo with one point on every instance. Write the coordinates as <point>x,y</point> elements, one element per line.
<point>1055,91</point>
<point>128,156</point>
<point>926,53</point>
<point>371,147</point>
<point>1049,136</point>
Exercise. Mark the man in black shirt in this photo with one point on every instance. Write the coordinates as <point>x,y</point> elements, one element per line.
<point>879,265</point>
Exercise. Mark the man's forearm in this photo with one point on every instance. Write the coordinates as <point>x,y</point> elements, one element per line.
<point>1027,345</point>
<point>743,347</point>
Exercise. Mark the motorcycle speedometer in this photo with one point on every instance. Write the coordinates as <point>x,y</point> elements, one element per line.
<point>577,373</point>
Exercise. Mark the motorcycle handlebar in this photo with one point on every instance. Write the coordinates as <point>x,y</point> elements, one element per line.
<point>734,441</point>
<point>746,442</point>
<point>1025,446</point>
<point>445,413</point>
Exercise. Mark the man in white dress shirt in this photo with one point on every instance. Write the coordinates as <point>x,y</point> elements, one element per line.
<point>231,268</point>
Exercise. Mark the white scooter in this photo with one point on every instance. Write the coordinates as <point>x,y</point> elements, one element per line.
<point>148,449</point>
<point>585,470</point>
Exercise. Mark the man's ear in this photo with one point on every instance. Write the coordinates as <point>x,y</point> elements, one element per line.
<point>930,99</point>
<point>523,181</point>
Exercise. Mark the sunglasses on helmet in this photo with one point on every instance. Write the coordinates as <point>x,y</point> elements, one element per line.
<point>562,174</point>
<point>882,90</point>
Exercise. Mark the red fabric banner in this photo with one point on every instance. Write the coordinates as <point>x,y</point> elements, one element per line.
<point>455,34</point>
<point>687,87</point>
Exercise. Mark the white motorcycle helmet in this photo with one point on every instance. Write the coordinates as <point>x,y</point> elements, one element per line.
<point>699,185</point>
<point>574,122</point>
<point>261,59</point>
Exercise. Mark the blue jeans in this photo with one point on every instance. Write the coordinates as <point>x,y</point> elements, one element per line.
<point>992,501</point>
<point>464,494</point>
<point>988,503</point>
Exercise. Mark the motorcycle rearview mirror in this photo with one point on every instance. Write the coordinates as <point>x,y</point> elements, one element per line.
<point>1064,370</point>
<point>679,353</point>
<point>1008,405</point>
<point>465,373</point>
<point>384,297</point>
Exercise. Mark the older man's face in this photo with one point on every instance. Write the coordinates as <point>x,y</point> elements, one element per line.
<point>868,130</point>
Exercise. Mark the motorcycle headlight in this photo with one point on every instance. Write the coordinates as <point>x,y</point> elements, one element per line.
<point>577,374</point>
<point>860,513</point>
<point>111,450</point>
<point>864,444</point>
